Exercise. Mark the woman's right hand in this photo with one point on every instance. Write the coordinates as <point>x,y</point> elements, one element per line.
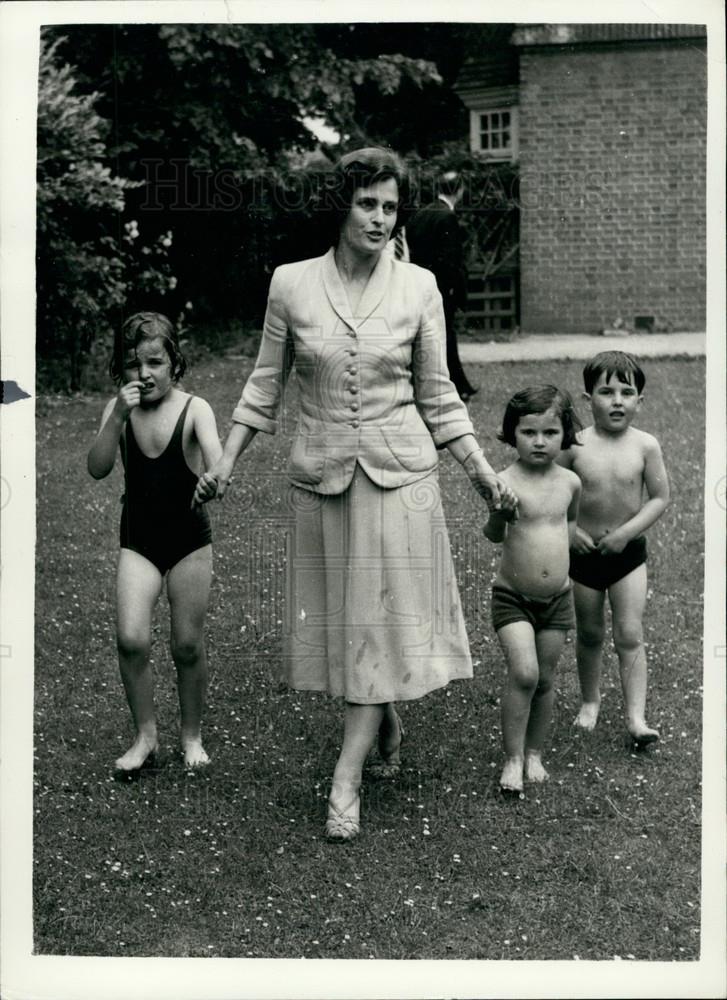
<point>206,489</point>
<point>129,398</point>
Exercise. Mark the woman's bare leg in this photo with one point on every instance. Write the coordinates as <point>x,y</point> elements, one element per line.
<point>361,725</point>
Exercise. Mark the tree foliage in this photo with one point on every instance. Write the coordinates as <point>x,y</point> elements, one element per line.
<point>231,95</point>
<point>205,128</point>
<point>79,270</point>
<point>86,258</point>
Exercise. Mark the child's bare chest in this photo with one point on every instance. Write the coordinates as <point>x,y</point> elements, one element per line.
<point>546,502</point>
<point>608,468</point>
<point>155,430</point>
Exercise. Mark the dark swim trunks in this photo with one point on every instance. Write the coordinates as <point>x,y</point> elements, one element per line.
<point>157,520</point>
<point>550,612</point>
<point>600,572</point>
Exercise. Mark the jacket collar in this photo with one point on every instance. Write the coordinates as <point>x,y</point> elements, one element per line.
<point>372,294</point>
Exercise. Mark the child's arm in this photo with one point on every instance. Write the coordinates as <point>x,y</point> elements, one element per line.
<point>205,429</point>
<point>572,514</point>
<point>496,528</point>
<point>102,454</point>
<point>657,488</point>
<point>506,513</point>
<point>214,482</point>
<point>580,541</point>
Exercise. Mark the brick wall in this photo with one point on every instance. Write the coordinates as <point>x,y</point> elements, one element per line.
<point>612,160</point>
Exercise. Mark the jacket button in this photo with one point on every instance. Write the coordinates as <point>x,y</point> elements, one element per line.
<point>352,351</point>
<point>355,423</point>
<point>352,371</point>
<point>353,389</point>
<point>354,406</point>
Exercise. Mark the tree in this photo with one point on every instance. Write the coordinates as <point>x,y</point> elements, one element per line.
<point>204,124</point>
<point>86,257</point>
<point>79,272</point>
<point>208,119</point>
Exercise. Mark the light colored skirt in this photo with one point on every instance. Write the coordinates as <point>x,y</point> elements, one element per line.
<point>372,610</point>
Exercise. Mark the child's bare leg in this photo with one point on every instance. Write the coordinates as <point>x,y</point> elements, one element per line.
<point>589,604</point>
<point>138,585</point>
<point>549,646</point>
<point>188,588</point>
<point>628,598</point>
<point>518,644</point>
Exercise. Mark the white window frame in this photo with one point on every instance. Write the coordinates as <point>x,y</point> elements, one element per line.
<point>510,153</point>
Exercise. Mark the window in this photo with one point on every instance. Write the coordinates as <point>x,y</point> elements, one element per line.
<point>494,132</point>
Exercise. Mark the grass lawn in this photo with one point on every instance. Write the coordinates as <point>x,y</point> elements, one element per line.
<point>603,861</point>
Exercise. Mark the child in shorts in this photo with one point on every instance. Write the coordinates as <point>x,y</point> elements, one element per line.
<point>532,605</point>
<point>164,435</point>
<point>617,464</point>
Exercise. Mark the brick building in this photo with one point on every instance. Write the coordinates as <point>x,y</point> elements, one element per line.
<point>607,123</point>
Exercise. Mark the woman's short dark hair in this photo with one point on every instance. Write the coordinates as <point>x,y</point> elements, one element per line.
<point>539,399</point>
<point>618,363</point>
<point>362,168</point>
<point>146,326</point>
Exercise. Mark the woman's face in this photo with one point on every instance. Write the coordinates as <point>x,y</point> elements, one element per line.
<point>367,227</point>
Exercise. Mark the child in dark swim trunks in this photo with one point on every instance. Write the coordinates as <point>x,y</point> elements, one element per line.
<point>532,606</point>
<point>165,435</point>
<point>617,465</point>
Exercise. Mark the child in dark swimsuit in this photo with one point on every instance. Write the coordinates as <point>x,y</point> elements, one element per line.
<point>165,436</point>
<point>625,490</point>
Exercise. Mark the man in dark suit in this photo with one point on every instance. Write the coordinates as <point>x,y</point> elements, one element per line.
<point>435,241</point>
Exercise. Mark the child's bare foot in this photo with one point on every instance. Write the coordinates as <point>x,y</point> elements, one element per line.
<point>534,770</point>
<point>588,716</point>
<point>511,779</point>
<point>139,753</point>
<point>194,753</point>
<point>642,735</point>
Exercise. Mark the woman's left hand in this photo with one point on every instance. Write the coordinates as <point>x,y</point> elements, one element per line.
<point>496,493</point>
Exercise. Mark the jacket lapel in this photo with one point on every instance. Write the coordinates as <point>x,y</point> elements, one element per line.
<point>372,294</point>
<point>375,289</point>
<point>335,291</point>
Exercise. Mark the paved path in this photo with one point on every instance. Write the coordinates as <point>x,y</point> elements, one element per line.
<point>538,347</point>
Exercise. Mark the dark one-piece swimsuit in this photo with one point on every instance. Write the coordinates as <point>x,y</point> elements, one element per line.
<point>156,519</point>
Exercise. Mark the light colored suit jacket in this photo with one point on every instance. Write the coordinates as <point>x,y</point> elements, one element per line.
<point>374,388</point>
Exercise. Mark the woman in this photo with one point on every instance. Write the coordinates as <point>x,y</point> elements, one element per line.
<point>373,608</point>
